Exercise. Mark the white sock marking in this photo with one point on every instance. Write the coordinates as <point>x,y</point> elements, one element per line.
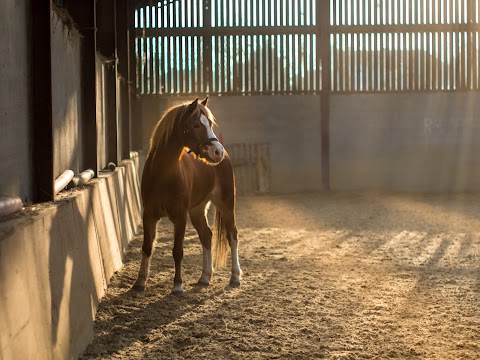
<point>207,270</point>
<point>236,271</point>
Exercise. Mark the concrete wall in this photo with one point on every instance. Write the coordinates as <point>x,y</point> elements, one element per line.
<point>15,99</point>
<point>67,98</point>
<point>290,124</point>
<point>416,141</point>
<point>406,141</point>
<point>56,260</point>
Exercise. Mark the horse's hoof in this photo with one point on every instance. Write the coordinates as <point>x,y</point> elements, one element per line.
<point>203,283</point>
<point>138,288</point>
<point>234,283</point>
<point>178,293</point>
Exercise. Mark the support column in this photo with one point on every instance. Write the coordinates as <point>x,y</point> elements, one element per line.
<point>207,48</point>
<point>323,48</point>
<point>83,13</point>
<point>123,74</point>
<point>135,131</point>
<point>42,134</point>
<point>106,45</point>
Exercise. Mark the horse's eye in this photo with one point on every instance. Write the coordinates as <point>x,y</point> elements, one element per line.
<point>196,125</point>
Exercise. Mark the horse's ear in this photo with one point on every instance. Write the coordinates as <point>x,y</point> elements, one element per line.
<point>205,102</point>
<point>193,105</point>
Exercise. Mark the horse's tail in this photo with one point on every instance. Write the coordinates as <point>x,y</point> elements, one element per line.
<point>219,241</point>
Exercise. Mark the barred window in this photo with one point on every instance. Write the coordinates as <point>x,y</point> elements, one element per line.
<point>272,46</point>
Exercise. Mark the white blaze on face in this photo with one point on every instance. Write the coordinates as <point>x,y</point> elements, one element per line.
<point>215,149</point>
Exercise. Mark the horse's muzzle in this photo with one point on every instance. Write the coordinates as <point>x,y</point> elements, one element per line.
<point>213,152</point>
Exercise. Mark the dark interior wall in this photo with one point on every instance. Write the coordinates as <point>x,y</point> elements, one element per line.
<point>15,100</point>
<point>67,98</point>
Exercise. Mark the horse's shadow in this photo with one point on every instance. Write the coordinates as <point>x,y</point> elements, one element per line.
<point>129,316</point>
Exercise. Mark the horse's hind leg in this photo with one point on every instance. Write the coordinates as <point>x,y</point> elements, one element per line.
<point>179,224</point>
<point>199,222</point>
<point>228,218</point>
<point>149,224</point>
<point>232,236</point>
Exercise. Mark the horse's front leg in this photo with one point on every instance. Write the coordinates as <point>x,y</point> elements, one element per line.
<point>149,224</point>
<point>179,224</point>
<point>200,223</point>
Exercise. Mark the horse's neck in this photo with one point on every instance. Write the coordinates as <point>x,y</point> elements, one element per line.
<point>167,156</point>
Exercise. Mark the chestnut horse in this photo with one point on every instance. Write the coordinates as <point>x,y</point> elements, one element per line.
<point>186,169</point>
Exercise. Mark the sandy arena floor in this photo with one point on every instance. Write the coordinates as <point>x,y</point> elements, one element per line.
<point>339,275</point>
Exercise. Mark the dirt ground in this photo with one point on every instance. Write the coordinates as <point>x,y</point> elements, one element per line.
<point>337,275</point>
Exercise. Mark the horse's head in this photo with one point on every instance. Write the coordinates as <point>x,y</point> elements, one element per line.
<point>198,133</point>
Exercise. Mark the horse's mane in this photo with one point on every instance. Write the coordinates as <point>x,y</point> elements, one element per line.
<point>164,128</point>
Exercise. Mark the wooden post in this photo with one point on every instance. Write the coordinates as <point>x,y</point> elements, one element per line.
<point>106,45</point>
<point>123,59</point>
<point>135,131</point>
<point>83,14</point>
<point>42,126</point>
<point>471,46</point>
<point>323,51</point>
<point>207,48</point>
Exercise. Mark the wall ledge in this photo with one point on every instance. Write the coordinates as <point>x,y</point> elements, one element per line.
<point>56,260</point>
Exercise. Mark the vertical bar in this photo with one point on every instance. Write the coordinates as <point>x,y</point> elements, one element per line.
<point>145,65</point>
<point>288,82</point>
<point>258,63</point>
<point>382,62</point>
<point>476,62</point>
<point>121,32</point>
<point>135,131</point>
<point>106,45</point>
<point>218,70</point>
<point>180,67</point>
<point>241,65</point>
<point>435,59</point>
<point>364,70</point>
<point>470,44</point>
<point>264,42</point>
<point>451,67</point>
<point>323,26</point>
<point>404,64</point>
<point>421,61</point>
<point>231,63</point>
<point>388,62</point>
<point>358,56</point>
<point>207,46</point>
<point>281,68</point>
<point>248,64</point>
<point>428,60</point>
<point>236,77</point>
<point>341,64</point>
<point>84,16</point>
<point>303,50</point>
<point>458,62</point>
<point>273,64</point>
<point>42,102</point>
<point>351,42</point>
<point>375,62</point>
<point>166,63</point>
<point>151,66</point>
<point>139,61</point>
<point>226,63</point>
<point>412,53</point>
